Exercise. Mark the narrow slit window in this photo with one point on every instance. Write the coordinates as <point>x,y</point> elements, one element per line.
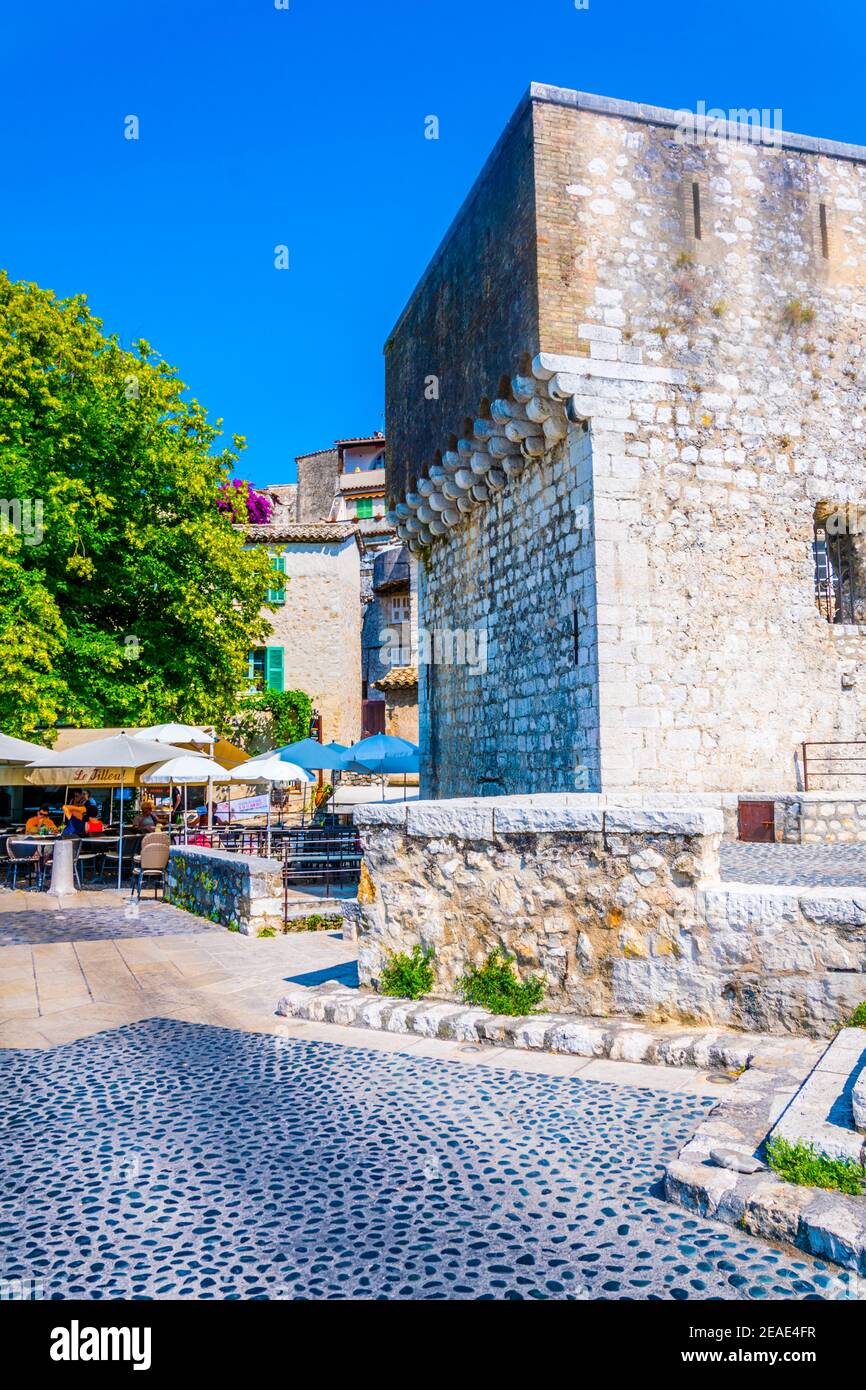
<point>696,209</point>
<point>825,235</point>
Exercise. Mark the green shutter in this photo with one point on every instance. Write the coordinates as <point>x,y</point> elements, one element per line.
<point>277,595</point>
<point>251,668</point>
<point>274,668</point>
<point>364,508</point>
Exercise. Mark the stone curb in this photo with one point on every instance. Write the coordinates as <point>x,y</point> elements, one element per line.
<point>615,1039</point>
<point>830,1225</point>
<point>816,1113</point>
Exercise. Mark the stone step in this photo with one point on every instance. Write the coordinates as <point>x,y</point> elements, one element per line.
<point>616,1039</point>
<point>821,1113</point>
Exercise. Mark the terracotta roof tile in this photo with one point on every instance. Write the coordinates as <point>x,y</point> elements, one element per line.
<point>398,678</point>
<point>302,531</point>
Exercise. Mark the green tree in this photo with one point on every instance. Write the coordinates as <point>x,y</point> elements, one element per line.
<point>138,601</point>
<point>271,719</point>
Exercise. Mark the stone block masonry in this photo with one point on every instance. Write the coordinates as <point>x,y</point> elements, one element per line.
<point>698,385</point>
<point>621,908</point>
<point>240,891</point>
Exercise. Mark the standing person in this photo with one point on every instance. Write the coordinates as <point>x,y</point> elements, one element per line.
<point>75,816</point>
<point>177,804</point>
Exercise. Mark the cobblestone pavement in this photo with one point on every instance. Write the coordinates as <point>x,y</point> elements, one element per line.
<point>39,926</point>
<point>171,1160</point>
<point>813,866</point>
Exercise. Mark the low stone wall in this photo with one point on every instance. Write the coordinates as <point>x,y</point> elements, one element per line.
<point>621,908</point>
<point>827,820</point>
<point>239,891</point>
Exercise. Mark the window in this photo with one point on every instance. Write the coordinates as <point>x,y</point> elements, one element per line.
<point>256,669</point>
<point>840,592</point>
<point>397,608</point>
<point>825,233</point>
<point>696,209</point>
<point>265,668</point>
<point>364,508</point>
<point>278,563</point>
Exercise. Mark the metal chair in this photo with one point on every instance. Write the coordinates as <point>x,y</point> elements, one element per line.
<point>151,863</point>
<point>131,846</point>
<point>86,851</point>
<point>5,860</point>
<point>24,854</point>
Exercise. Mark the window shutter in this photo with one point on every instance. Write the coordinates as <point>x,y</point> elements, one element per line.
<point>277,595</point>
<point>274,668</point>
<point>364,508</point>
<point>251,668</point>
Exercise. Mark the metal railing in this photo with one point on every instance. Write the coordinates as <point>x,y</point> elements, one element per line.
<point>830,764</point>
<point>327,857</point>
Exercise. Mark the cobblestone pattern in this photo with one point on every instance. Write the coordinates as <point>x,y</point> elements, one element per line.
<point>36,928</point>
<point>165,1160</point>
<point>816,866</point>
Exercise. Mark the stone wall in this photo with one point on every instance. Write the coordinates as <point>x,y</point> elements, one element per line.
<point>318,475</point>
<point>472,317</point>
<point>621,908</point>
<point>401,713</point>
<point>239,891</point>
<point>520,577</point>
<point>720,371</point>
<point>832,820</point>
<point>319,628</point>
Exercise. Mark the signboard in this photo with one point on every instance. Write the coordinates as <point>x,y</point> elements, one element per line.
<point>244,806</point>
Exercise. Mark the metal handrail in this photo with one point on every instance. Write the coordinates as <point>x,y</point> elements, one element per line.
<point>832,770</point>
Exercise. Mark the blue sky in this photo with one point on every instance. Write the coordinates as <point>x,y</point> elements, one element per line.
<point>305,127</point>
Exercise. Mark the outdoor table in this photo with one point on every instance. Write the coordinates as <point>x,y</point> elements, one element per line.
<point>62,866</point>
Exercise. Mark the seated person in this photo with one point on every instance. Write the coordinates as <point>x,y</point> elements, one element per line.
<point>145,821</point>
<point>94,825</point>
<point>40,822</point>
<point>75,816</point>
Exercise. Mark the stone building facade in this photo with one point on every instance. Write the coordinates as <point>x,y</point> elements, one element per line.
<point>625,406</point>
<point>325,537</point>
<point>315,642</point>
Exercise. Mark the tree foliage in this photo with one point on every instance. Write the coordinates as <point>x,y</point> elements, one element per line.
<point>272,718</point>
<point>138,603</point>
